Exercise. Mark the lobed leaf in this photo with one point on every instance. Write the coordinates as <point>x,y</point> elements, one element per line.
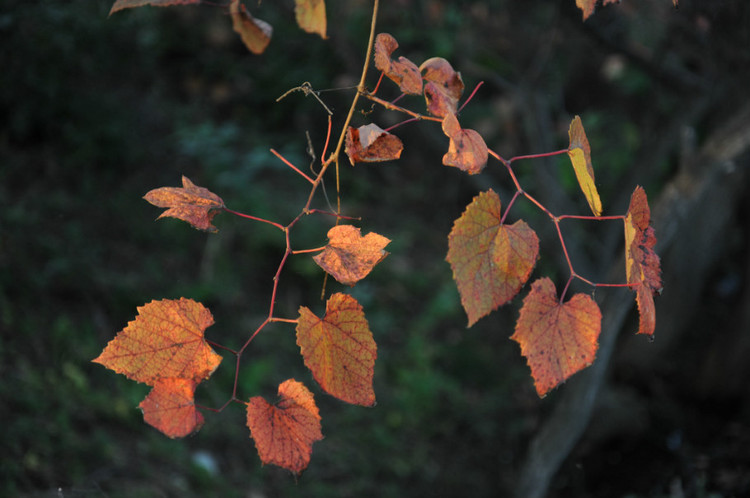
<point>557,339</point>
<point>579,152</point>
<point>642,265</point>
<point>339,349</point>
<point>165,340</point>
<point>443,86</point>
<point>370,143</point>
<point>255,33</point>
<point>170,407</point>
<point>349,257</point>
<point>285,432</point>
<point>403,72</point>
<point>129,4</point>
<point>491,261</point>
<point>196,205</point>
<point>467,150</point>
<point>311,16</point>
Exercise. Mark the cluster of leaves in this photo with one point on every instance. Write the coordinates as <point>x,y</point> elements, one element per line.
<point>492,260</point>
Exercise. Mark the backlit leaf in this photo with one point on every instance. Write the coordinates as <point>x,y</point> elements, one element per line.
<point>170,407</point>
<point>255,34</point>
<point>129,4</point>
<point>165,340</point>
<point>339,349</point>
<point>349,256</point>
<point>443,86</point>
<point>403,72</point>
<point>580,155</point>
<point>311,16</point>
<point>196,205</point>
<point>490,261</point>
<point>467,150</point>
<point>370,143</point>
<point>557,339</point>
<point>642,265</point>
<point>285,432</point>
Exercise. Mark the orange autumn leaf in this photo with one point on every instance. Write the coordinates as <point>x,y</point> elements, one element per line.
<point>370,143</point>
<point>587,6</point>
<point>403,72</point>
<point>170,407</point>
<point>339,349</point>
<point>196,205</point>
<point>642,266</point>
<point>165,340</point>
<point>285,432</point>
<point>311,16</point>
<point>255,33</point>
<point>467,150</point>
<point>349,257</point>
<point>491,261</point>
<point>129,4</point>
<point>557,339</point>
<point>443,86</point>
<point>579,152</point>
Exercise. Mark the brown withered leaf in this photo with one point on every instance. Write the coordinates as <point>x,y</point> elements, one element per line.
<point>370,144</point>
<point>443,86</point>
<point>402,71</point>
<point>349,256</point>
<point>196,205</point>
<point>255,33</point>
<point>467,150</point>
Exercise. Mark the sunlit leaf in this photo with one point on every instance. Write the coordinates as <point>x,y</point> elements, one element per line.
<point>580,155</point>
<point>443,86</point>
<point>490,260</point>
<point>165,340</point>
<point>285,431</point>
<point>255,33</point>
<point>370,143</point>
<point>557,339</point>
<point>467,150</point>
<point>129,4</point>
<point>311,16</point>
<point>170,407</point>
<point>403,72</point>
<point>196,205</point>
<point>349,257</point>
<point>339,349</point>
<point>642,265</point>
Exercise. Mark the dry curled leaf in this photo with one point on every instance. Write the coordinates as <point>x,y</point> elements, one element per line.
<point>557,339</point>
<point>467,150</point>
<point>285,431</point>
<point>339,349</point>
<point>403,72</point>
<point>255,33</point>
<point>129,4</point>
<point>196,205</point>
<point>443,86</point>
<point>349,257</point>
<point>370,143</point>
<point>579,152</point>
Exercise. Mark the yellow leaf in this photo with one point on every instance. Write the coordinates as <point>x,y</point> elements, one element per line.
<point>311,16</point>
<point>580,155</point>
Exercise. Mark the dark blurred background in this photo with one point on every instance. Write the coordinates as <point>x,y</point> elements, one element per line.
<point>98,110</point>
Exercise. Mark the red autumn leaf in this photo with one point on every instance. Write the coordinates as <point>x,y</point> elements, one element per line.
<point>311,16</point>
<point>339,349</point>
<point>285,432</point>
<point>579,152</point>
<point>490,261</point>
<point>642,266</point>
<point>129,4</point>
<point>170,407</point>
<point>557,339</point>
<point>370,144</point>
<point>349,257</point>
<point>403,72</point>
<point>255,33</point>
<point>443,86</point>
<point>467,150</point>
<point>196,205</point>
<point>165,340</point>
